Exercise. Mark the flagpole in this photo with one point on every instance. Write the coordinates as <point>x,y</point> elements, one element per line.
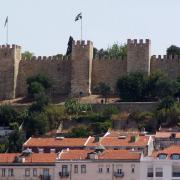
<point>7,33</point>
<point>81,29</point>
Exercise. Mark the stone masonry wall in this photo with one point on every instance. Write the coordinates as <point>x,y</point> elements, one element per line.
<point>138,56</point>
<point>81,68</point>
<point>166,64</point>
<point>108,71</point>
<point>9,60</point>
<point>57,69</point>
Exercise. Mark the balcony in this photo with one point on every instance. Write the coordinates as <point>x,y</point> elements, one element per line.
<point>45,177</point>
<point>176,174</point>
<point>119,174</point>
<point>64,174</point>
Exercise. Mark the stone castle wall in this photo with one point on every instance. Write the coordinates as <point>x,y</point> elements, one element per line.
<point>108,70</point>
<point>57,69</point>
<point>80,73</point>
<point>166,64</point>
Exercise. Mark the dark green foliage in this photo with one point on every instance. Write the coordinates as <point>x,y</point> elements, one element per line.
<point>41,102</point>
<point>173,50</point>
<point>103,89</point>
<point>79,132</point>
<point>38,84</point>
<point>27,55</point>
<point>35,88</point>
<point>138,87</point>
<point>115,51</point>
<point>9,115</point>
<point>166,103</point>
<point>73,107</point>
<point>101,127</point>
<point>132,87</point>
<point>36,124</point>
<point>15,141</point>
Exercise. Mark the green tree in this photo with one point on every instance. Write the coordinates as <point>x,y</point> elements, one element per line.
<point>73,107</point>
<point>38,84</point>
<point>36,124</point>
<point>132,87</point>
<point>27,55</point>
<point>173,50</point>
<point>79,132</point>
<point>8,115</point>
<point>15,141</point>
<point>114,51</point>
<point>55,115</point>
<point>117,51</point>
<point>103,89</point>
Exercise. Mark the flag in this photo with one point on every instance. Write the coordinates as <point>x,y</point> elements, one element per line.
<point>79,16</point>
<point>6,21</point>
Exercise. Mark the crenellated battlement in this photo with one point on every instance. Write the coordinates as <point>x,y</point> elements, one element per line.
<point>165,57</point>
<point>140,42</point>
<point>8,46</point>
<point>82,43</point>
<point>107,58</point>
<point>48,58</point>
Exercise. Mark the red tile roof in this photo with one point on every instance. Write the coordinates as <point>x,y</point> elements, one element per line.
<point>33,158</point>
<point>169,151</point>
<point>167,134</point>
<point>54,142</point>
<point>117,141</point>
<point>106,155</point>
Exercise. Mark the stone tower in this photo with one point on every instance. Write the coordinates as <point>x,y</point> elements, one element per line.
<point>81,68</point>
<point>138,56</point>
<point>10,57</point>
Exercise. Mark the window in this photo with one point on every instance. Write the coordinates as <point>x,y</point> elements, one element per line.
<point>75,169</point>
<point>162,156</point>
<point>132,168</point>
<point>119,171</point>
<point>100,170</point>
<point>27,172</point>
<point>83,168</point>
<point>107,170</point>
<point>159,172</point>
<point>10,172</point>
<point>46,172</point>
<point>3,172</point>
<point>64,168</point>
<point>34,172</point>
<point>175,156</point>
<point>150,172</point>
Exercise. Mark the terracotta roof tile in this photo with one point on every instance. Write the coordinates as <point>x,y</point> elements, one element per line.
<point>175,149</point>
<point>166,134</point>
<point>54,142</point>
<point>106,155</point>
<point>33,158</point>
<point>121,142</point>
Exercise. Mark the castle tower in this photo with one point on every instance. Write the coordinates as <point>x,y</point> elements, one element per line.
<point>9,64</point>
<point>138,56</point>
<point>81,68</point>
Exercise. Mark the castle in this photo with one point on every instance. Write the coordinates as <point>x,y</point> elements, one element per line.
<point>80,73</point>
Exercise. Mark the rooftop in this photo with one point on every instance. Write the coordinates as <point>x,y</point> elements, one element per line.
<point>32,158</point>
<point>55,142</point>
<point>105,155</point>
<point>167,134</point>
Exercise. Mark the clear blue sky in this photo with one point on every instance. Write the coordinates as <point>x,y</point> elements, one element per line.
<point>44,26</point>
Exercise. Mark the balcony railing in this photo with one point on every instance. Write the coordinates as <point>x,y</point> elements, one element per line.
<point>63,174</point>
<point>45,177</point>
<point>150,174</point>
<point>119,174</point>
<point>176,174</point>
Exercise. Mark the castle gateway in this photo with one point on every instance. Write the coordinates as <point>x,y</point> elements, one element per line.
<point>79,73</point>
